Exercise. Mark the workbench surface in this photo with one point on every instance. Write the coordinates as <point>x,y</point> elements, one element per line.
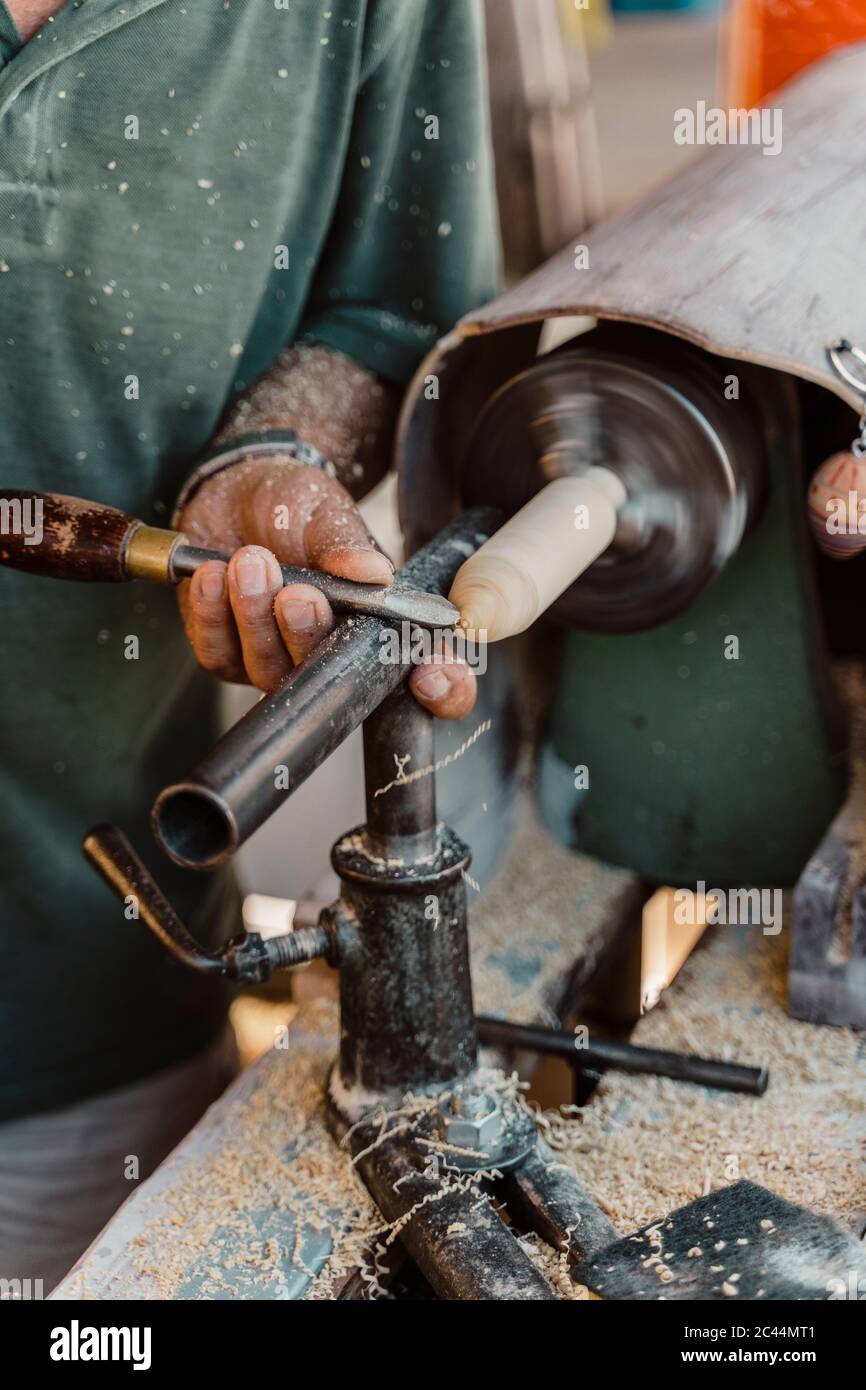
<point>258,1202</point>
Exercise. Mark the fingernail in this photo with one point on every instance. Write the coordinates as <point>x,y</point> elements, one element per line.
<point>433,685</point>
<point>298,615</point>
<point>252,576</point>
<point>213,584</point>
<point>362,564</point>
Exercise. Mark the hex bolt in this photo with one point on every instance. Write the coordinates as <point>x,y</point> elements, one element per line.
<point>471,1122</point>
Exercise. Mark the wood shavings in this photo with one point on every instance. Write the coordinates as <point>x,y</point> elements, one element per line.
<point>372,1271</point>
<point>443,1147</point>
<point>404,780</point>
<point>276,1162</point>
<point>646,1145</point>
<point>447,1186</point>
<point>467,878</point>
<point>553,1266</point>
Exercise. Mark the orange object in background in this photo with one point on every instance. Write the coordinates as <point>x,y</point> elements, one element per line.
<point>773,40</point>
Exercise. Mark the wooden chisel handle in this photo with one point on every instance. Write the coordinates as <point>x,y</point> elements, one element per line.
<point>68,538</point>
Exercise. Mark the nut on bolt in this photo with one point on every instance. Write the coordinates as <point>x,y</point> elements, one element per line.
<point>471,1121</point>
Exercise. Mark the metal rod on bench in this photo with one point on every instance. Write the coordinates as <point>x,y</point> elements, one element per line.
<point>639,1061</point>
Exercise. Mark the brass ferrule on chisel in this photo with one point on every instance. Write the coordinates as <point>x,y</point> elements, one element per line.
<point>149,552</point>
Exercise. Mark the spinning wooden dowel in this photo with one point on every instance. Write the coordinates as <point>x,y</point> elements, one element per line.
<point>537,555</point>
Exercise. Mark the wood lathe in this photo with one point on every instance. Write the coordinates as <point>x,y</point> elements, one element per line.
<point>644,486</point>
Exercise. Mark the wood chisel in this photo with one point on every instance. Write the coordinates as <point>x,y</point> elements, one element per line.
<point>68,538</point>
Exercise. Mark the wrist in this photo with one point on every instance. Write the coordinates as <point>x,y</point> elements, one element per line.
<point>249,447</point>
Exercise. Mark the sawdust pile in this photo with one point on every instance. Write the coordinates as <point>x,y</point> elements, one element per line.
<point>277,1160</point>
<point>544,911</point>
<point>646,1145</point>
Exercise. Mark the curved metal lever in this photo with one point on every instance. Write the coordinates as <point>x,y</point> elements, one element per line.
<point>246,957</point>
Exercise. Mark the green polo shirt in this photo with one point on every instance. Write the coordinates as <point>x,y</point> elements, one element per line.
<point>185,187</point>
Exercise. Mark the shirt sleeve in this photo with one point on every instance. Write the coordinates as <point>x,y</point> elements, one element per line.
<point>414,243</point>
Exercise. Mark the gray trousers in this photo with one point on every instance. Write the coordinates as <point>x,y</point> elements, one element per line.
<point>64,1173</point>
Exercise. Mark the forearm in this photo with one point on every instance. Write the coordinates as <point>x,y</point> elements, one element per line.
<point>328,401</point>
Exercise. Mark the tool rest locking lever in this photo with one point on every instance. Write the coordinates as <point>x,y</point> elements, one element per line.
<point>247,957</point>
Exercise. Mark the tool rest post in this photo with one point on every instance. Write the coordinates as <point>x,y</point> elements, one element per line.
<point>408,1020</point>
<point>407,1017</point>
<point>398,742</point>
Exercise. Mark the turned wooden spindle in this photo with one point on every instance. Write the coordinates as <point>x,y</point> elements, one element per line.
<point>523,569</point>
<point>836,505</point>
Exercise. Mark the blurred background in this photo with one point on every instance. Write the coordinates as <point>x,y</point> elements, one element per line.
<point>583,96</point>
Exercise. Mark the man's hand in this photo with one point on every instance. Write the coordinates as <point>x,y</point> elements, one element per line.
<point>244,625</point>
